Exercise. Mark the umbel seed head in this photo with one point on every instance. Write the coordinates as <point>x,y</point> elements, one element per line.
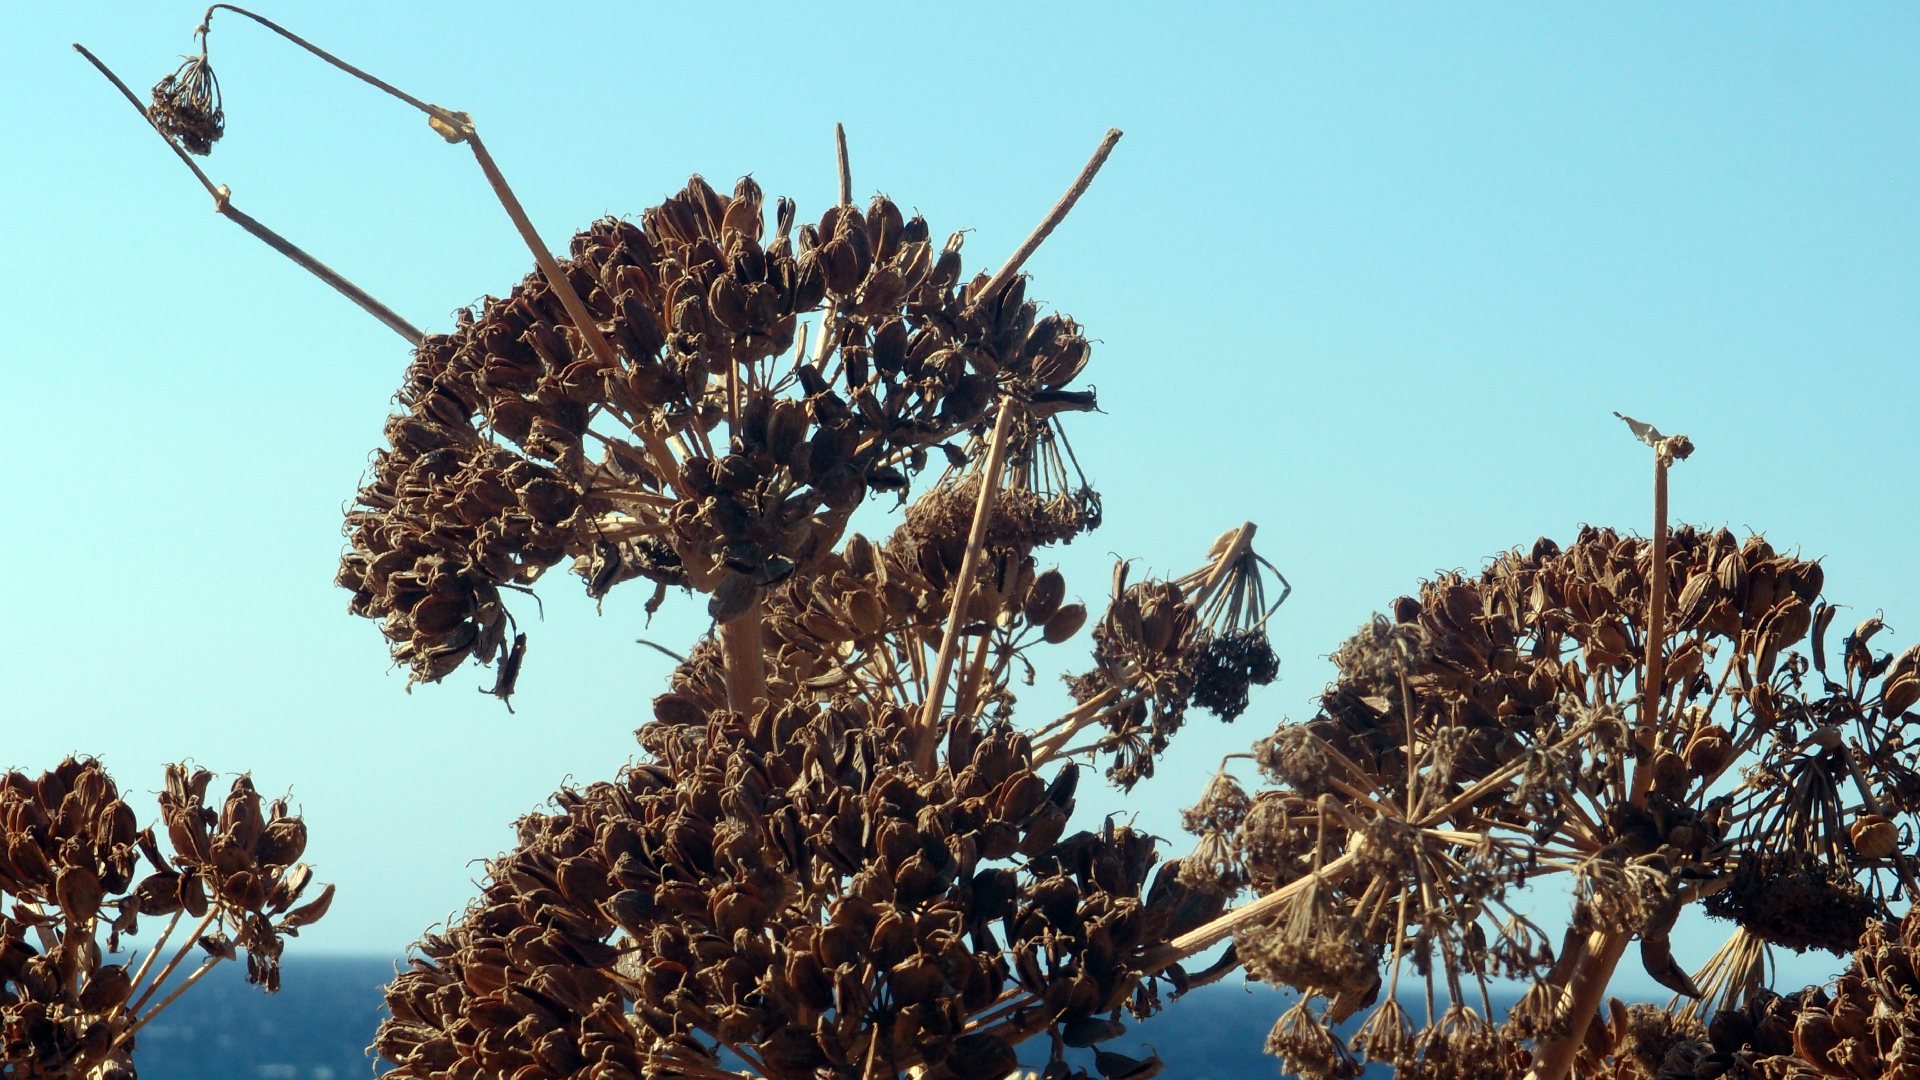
<point>186,106</point>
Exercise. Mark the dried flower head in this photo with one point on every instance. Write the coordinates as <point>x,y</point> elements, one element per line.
<point>70,855</point>
<point>186,104</point>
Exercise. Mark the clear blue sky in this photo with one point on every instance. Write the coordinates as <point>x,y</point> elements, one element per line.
<point>1374,277</point>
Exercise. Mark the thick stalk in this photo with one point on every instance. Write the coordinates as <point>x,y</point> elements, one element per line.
<point>746,664</point>
<point>1589,981</point>
<point>963,588</point>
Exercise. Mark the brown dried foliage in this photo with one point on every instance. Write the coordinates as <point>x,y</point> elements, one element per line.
<point>70,857</point>
<point>1482,736</point>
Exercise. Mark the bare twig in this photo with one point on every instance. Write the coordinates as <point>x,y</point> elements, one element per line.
<point>963,585</point>
<point>223,205</point>
<point>1049,223</point>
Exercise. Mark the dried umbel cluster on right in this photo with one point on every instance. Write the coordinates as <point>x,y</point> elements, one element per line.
<point>1492,731</point>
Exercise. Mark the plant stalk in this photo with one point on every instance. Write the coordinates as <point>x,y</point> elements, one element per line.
<point>1049,223</point>
<point>223,205</point>
<point>963,587</point>
<point>1656,657</point>
<point>746,665</point>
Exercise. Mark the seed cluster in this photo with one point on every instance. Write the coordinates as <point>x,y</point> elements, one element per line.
<point>186,106</point>
<point>70,850</point>
<point>789,887</point>
<point>488,478</point>
<point>793,884</point>
<point>1502,707</point>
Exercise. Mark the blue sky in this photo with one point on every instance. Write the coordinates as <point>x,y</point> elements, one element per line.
<point>1372,276</point>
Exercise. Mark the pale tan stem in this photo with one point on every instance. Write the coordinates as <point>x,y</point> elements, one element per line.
<point>167,971</point>
<point>1554,1057</point>
<point>663,461</point>
<point>967,695</point>
<point>147,962</point>
<point>746,665</point>
<point>223,205</point>
<point>963,586</point>
<point>846,170</point>
<point>1049,223</point>
<point>206,966</point>
<point>1223,927</point>
<point>1242,540</point>
<point>1656,659</point>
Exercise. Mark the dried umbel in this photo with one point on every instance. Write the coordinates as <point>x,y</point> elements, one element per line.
<point>857,872</point>
<point>70,858</point>
<point>1485,734</point>
<point>1163,645</point>
<point>793,888</point>
<point>186,104</point>
<point>523,445</point>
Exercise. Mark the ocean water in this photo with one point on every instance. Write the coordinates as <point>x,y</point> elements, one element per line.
<point>319,1025</point>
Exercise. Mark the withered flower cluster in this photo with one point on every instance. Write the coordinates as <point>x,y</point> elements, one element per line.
<point>70,858</point>
<point>1495,729</point>
<point>524,443</point>
<point>186,104</point>
<point>868,868</point>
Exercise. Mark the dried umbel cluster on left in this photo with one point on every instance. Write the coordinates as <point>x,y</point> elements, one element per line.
<point>81,873</point>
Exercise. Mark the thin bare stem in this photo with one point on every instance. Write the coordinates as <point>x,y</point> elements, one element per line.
<point>664,462</point>
<point>1050,222</point>
<point>223,205</point>
<point>1655,665</point>
<point>435,111</point>
<point>147,962</point>
<point>185,947</point>
<point>963,585</point>
<point>205,966</point>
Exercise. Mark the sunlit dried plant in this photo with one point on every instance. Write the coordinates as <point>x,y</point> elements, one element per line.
<point>70,859</point>
<point>1503,727</point>
<point>841,854</point>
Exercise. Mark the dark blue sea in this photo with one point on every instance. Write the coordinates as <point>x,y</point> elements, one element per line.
<point>319,1024</point>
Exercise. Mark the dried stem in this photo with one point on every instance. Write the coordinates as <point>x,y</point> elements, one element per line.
<point>1589,982</point>
<point>1222,567</point>
<point>963,586</point>
<point>745,664</point>
<point>223,205</point>
<point>1655,664</point>
<point>206,966</point>
<point>1050,222</point>
<point>434,111</point>
<point>147,962</point>
<point>846,171</point>
<point>1221,928</point>
<point>167,971</point>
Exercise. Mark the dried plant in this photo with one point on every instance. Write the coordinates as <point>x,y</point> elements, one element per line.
<point>70,858</point>
<point>842,855</point>
<point>1499,728</point>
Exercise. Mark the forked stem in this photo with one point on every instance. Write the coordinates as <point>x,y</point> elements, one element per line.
<point>223,205</point>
